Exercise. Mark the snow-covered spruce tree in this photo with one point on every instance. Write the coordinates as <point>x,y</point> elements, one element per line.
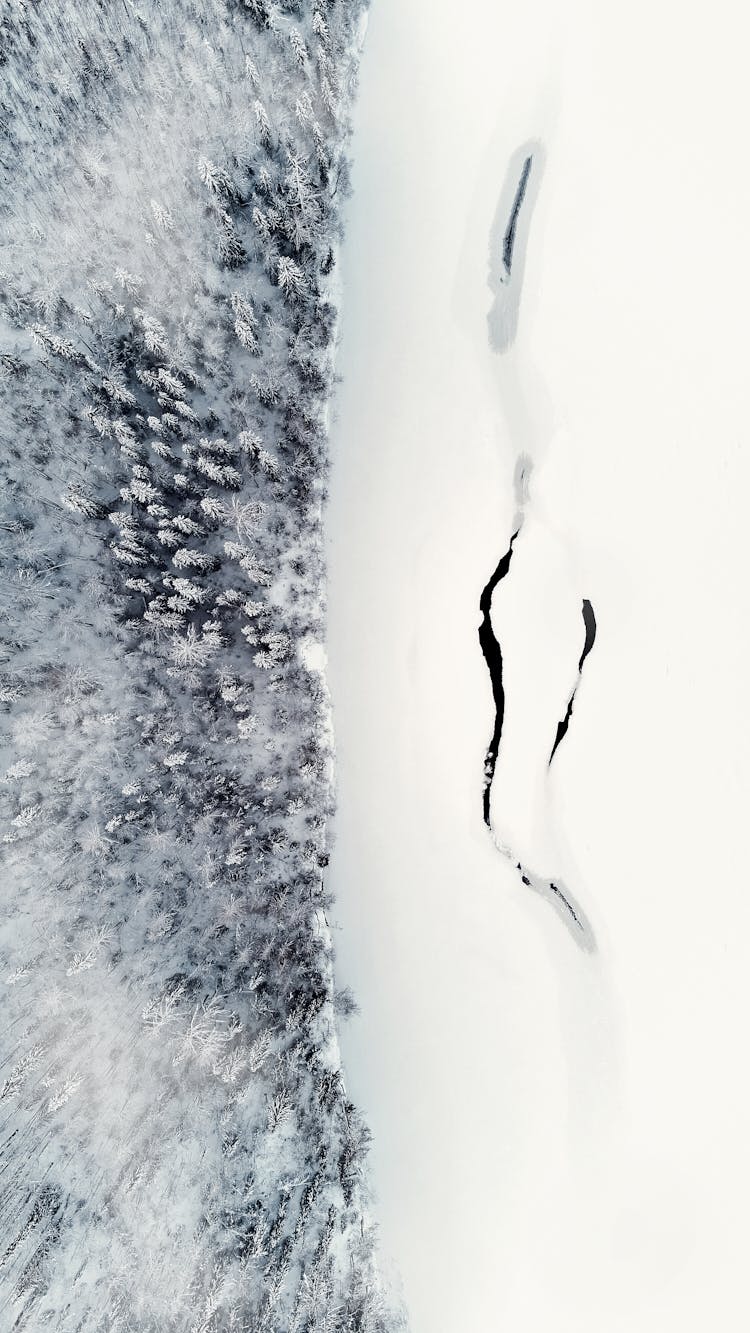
<point>177,1148</point>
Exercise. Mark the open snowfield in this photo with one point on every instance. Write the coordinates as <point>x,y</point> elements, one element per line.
<point>560,1136</point>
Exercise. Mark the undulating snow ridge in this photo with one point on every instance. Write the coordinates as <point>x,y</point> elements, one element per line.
<point>509,236</point>
<point>178,1152</point>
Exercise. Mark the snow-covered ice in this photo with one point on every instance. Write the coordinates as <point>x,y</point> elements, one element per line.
<point>559,1137</point>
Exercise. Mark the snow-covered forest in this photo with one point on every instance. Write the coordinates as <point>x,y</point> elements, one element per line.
<point>178,1148</point>
<point>374,732</point>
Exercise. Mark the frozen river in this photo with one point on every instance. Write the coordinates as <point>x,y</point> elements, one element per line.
<point>559,1133</point>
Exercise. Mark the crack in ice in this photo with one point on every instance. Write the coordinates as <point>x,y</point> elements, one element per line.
<point>493,656</point>
<point>510,233</point>
<point>560,897</point>
<point>589,622</point>
<point>508,239</point>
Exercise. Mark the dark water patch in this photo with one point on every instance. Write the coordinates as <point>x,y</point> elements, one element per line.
<point>493,656</point>
<point>552,890</point>
<point>564,903</point>
<point>589,622</point>
<point>508,242</point>
<point>507,257</point>
<point>510,233</point>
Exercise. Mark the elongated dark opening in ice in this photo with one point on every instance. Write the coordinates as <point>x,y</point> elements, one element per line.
<point>493,656</point>
<point>509,239</point>
<point>507,253</point>
<point>589,622</point>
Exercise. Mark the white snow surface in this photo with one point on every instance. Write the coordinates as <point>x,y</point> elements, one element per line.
<point>560,1138</point>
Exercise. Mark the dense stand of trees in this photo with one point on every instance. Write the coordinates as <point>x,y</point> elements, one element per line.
<point>178,1150</point>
